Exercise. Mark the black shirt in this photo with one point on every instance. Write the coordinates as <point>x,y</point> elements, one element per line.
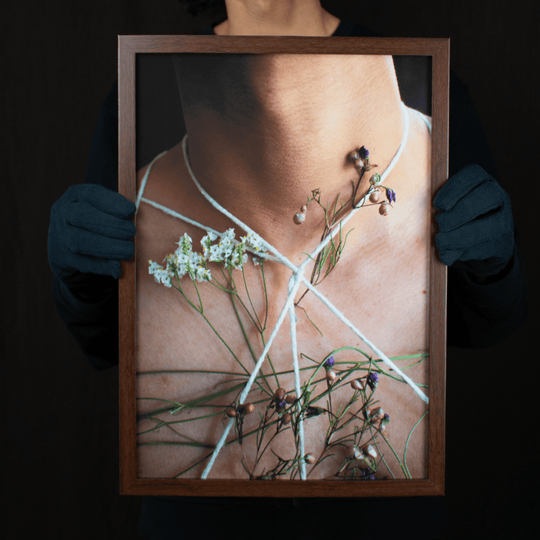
<point>479,315</point>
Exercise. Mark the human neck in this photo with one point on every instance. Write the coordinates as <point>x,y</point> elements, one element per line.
<point>266,130</point>
<point>276,18</point>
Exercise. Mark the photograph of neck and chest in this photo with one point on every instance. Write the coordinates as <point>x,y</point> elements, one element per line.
<point>288,311</point>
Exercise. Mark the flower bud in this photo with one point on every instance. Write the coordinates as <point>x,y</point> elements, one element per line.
<point>370,451</point>
<point>309,458</point>
<point>384,209</point>
<point>299,218</point>
<point>375,179</point>
<point>329,363</point>
<point>246,408</point>
<point>374,197</point>
<point>390,195</point>
<point>314,411</point>
<point>376,414</point>
<point>331,376</point>
<point>373,380</point>
<point>363,152</point>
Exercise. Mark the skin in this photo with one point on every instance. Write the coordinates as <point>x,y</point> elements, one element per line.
<point>264,131</point>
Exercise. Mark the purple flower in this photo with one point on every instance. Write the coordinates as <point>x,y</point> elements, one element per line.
<point>363,152</point>
<point>390,195</point>
<point>373,380</point>
<point>330,362</point>
<point>281,404</point>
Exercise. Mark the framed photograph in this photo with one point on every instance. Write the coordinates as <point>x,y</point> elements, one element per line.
<point>283,321</point>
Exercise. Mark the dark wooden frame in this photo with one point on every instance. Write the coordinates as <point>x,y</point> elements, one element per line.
<point>128,48</point>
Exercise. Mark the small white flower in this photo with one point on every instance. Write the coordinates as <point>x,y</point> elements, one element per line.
<point>256,261</point>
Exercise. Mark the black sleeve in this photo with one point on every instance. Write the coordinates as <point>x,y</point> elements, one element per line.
<point>89,309</point>
<point>480,315</point>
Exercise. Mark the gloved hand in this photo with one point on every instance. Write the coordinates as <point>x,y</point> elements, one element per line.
<point>89,232</point>
<point>475,223</point>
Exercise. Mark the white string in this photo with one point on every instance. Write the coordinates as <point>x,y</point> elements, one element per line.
<point>294,283</point>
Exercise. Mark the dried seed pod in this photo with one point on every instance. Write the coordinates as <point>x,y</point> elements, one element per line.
<point>331,376</point>
<point>384,208</point>
<point>290,399</point>
<point>358,164</point>
<point>354,155</point>
<point>355,453</point>
<point>303,208</point>
<point>309,458</point>
<point>279,394</point>
<point>231,412</point>
<point>249,408</point>
<point>374,197</point>
<point>357,384</point>
<point>370,451</point>
<point>299,218</point>
<point>376,414</point>
<point>286,418</point>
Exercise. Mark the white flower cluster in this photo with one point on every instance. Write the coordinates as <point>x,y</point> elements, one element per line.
<point>232,254</point>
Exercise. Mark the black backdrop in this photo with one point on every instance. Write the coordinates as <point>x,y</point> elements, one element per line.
<point>60,417</point>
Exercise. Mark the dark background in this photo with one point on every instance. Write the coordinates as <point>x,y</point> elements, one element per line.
<point>60,417</point>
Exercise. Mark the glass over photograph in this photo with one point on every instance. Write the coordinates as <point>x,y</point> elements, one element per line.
<point>282,267</point>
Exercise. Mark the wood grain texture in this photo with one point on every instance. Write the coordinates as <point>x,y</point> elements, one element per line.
<point>128,47</point>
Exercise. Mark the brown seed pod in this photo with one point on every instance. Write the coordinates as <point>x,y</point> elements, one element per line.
<point>290,398</point>
<point>249,408</point>
<point>309,458</point>
<point>286,418</point>
<point>384,209</point>
<point>354,155</point>
<point>299,218</point>
<point>358,164</point>
<point>370,451</point>
<point>231,412</point>
<point>303,209</point>
<point>374,197</point>
<point>357,384</point>
<point>331,376</point>
<point>279,394</point>
<point>376,413</point>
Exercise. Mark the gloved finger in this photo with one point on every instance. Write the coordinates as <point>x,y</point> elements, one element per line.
<point>485,197</point>
<point>476,232</point>
<point>85,216</point>
<point>449,256</point>
<point>90,265</point>
<point>102,198</point>
<point>85,243</point>
<point>459,185</point>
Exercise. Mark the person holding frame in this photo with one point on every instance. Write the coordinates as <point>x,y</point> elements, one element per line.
<point>91,295</point>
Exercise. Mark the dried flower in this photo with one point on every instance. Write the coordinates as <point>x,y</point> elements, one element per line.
<point>363,152</point>
<point>375,179</point>
<point>329,363</point>
<point>370,451</point>
<point>313,411</point>
<point>373,380</point>
<point>390,195</point>
<point>385,419</point>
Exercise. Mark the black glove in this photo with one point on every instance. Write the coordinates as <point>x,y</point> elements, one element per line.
<point>89,232</point>
<point>475,223</point>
